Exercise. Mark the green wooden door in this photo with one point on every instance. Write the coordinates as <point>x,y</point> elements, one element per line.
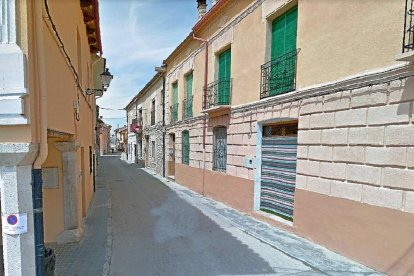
<point>224,76</point>
<point>189,96</point>
<point>283,52</point>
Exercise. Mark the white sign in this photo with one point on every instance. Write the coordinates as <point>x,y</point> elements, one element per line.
<point>14,224</point>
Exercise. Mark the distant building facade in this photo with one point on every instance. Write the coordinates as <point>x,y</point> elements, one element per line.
<point>145,121</point>
<point>104,131</point>
<point>121,139</point>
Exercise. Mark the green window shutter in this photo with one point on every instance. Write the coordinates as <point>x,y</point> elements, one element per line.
<point>225,65</point>
<point>278,37</point>
<point>284,29</point>
<point>291,29</point>
<point>188,109</point>
<point>186,147</point>
<point>174,114</point>
<point>175,93</point>
<point>189,87</point>
<point>224,76</point>
<point>283,67</point>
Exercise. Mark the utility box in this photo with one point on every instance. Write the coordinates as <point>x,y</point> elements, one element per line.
<point>249,162</point>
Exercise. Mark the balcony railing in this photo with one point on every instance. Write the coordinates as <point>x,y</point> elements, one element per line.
<point>217,93</point>
<point>408,37</point>
<point>188,107</point>
<point>174,113</point>
<point>152,117</point>
<point>279,75</point>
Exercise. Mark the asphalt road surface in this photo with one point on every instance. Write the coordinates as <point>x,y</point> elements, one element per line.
<point>155,232</point>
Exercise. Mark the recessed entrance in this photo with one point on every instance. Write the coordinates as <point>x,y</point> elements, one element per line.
<point>278,173</point>
<point>171,156</point>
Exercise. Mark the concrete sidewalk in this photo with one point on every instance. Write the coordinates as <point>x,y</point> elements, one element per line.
<point>91,256</point>
<point>312,255</point>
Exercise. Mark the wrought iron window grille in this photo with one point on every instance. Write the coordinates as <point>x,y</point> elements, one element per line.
<point>220,149</point>
<point>186,147</point>
<point>279,75</point>
<point>218,93</point>
<point>408,36</point>
<point>188,107</point>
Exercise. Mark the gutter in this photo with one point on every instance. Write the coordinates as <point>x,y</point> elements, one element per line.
<point>205,41</point>
<point>43,150</point>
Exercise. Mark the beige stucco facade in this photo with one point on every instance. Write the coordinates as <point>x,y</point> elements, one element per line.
<point>58,58</point>
<point>353,47</point>
<point>352,104</point>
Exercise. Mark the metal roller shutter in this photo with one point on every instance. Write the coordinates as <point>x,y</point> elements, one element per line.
<point>278,175</point>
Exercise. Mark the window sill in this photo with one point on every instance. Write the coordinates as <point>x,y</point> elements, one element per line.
<point>408,56</point>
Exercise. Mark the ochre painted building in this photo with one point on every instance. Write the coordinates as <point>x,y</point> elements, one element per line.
<point>50,57</point>
<point>300,114</point>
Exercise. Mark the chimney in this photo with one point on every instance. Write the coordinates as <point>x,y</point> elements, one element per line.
<point>201,8</point>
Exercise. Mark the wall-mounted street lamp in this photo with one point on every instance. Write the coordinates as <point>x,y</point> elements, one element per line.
<point>161,69</point>
<point>106,78</point>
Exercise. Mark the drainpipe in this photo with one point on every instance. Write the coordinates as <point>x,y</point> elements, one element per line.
<point>163,121</point>
<point>135,134</point>
<point>205,41</point>
<point>43,148</point>
<point>126,147</point>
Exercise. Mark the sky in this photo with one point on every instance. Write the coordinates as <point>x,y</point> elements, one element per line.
<point>138,35</point>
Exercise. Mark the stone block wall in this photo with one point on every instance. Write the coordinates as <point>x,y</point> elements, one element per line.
<point>155,134</point>
<point>355,144</point>
<point>359,145</point>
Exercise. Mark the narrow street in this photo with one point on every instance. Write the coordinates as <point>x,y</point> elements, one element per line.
<point>158,233</point>
<point>141,224</point>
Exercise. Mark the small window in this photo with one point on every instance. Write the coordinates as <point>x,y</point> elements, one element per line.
<point>186,147</point>
<point>220,149</point>
<point>90,160</point>
<point>174,104</point>
<point>153,151</point>
<point>153,112</point>
<point>188,99</point>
